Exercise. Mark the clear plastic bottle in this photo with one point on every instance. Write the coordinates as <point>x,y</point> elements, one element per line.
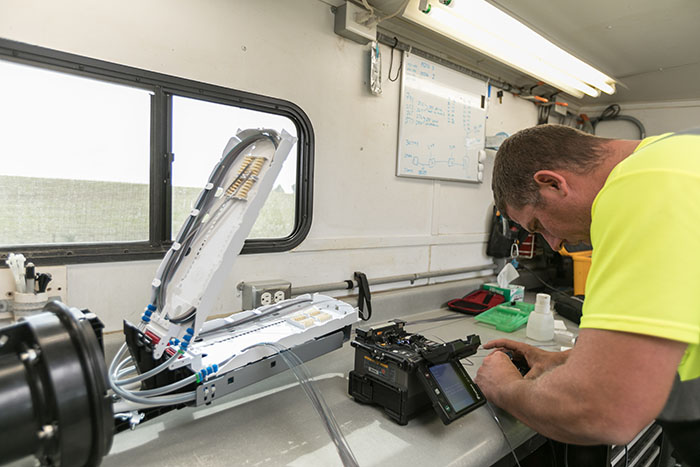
<point>540,324</point>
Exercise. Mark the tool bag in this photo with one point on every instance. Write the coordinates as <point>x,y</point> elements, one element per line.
<point>476,301</point>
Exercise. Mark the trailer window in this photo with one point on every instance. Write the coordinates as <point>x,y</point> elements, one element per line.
<point>101,162</point>
<point>75,155</point>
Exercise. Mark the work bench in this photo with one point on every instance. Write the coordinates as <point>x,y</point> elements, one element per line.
<point>272,422</point>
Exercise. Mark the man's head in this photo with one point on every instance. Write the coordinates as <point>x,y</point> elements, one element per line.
<point>540,180</point>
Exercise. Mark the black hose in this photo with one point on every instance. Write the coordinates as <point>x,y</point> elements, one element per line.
<point>612,112</point>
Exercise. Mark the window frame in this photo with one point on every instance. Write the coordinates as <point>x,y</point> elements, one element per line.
<point>163,88</point>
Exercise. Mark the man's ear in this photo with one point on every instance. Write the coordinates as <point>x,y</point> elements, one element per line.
<point>551,183</point>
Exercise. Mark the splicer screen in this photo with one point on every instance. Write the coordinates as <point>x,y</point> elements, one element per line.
<point>453,386</point>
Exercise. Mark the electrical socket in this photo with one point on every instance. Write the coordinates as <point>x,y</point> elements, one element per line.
<point>266,298</point>
<point>261,293</point>
<point>279,296</point>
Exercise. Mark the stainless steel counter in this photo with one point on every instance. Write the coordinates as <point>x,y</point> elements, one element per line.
<point>272,423</point>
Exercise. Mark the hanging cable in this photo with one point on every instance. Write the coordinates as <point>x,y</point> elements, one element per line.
<point>364,296</point>
<point>543,112</point>
<point>498,422</point>
<point>329,422</point>
<point>612,112</point>
<point>391,61</point>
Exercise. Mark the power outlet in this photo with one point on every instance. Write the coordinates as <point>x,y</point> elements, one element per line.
<point>265,298</point>
<point>279,296</point>
<point>261,293</point>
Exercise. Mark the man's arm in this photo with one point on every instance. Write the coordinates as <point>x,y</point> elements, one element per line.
<point>612,385</point>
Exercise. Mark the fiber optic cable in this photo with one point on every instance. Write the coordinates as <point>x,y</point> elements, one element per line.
<point>149,373</point>
<point>134,397</point>
<point>498,422</point>
<point>330,424</point>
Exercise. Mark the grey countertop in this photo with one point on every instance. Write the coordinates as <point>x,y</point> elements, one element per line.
<point>272,423</point>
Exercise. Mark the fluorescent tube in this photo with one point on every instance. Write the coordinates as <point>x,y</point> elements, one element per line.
<point>483,27</point>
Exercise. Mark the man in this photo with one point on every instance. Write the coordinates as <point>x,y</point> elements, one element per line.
<point>637,357</point>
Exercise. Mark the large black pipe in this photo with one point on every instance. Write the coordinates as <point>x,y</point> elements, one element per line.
<point>53,389</point>
<point>18,423</point>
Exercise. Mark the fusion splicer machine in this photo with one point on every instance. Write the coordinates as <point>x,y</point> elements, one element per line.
<point>404,373</point>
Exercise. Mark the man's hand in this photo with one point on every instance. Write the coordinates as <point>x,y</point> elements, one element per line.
<point>604,391</point>
<point>538,360</point>
<point>497,372</point>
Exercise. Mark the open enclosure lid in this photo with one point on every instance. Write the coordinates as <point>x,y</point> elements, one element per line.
<point>192,274</point>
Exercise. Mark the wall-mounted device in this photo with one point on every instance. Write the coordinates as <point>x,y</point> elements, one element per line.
<point>355,23</point>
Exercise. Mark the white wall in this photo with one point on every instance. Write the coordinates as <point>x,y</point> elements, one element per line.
<point>657,118</point>
<point>365,218</point>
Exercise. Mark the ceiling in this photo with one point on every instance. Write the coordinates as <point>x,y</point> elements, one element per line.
<point>651,47</point>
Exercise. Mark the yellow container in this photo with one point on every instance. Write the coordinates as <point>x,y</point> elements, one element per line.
<point>582,264</point>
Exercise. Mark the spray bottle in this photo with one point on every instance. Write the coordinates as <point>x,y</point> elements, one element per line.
<point>540,324</point>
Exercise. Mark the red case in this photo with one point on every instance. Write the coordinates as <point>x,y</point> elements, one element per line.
<point>476,302</point>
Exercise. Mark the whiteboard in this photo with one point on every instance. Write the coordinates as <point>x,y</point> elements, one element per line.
<point>442,122</point>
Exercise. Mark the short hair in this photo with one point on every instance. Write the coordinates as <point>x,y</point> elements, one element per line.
<point>542,147</point>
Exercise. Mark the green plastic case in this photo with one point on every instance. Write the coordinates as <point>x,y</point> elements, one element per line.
<point>507,317</point>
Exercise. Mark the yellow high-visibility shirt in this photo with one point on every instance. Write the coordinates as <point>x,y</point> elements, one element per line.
<point>645,269</point>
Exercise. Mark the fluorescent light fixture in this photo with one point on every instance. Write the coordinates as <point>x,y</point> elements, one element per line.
<point>483,27</point>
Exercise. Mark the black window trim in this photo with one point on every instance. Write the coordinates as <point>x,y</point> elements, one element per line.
<point>163,88</point>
